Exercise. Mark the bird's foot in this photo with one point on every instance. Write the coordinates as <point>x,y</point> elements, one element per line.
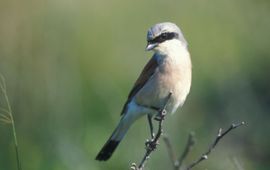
<point>161,114</point>
<point>151,144</point>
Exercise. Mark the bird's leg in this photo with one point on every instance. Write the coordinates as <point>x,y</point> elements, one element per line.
<point>149,117</point>
<point>152,144</point>
<point>161,114</point>
<point>149,141</point>
<point>162,111</point>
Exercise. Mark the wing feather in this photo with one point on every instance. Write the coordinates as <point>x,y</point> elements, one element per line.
<point>145,75</point>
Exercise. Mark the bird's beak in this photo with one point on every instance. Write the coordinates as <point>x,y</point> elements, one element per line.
<point>150,46</point>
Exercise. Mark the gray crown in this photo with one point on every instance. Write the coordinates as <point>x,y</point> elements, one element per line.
<point>160,28</point>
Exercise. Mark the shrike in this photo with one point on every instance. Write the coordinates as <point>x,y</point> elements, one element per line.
<point>167,72</point>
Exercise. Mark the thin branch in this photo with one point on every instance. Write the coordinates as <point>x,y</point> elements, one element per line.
<point>170,151</point>
<point>4,116</point>
<point>9,111</point>
<point>5,121</point>
<point>219,136</point>
<point>152,144</point>
<point>2,83</point>
<point>189,146</point>
<point>177,163</point>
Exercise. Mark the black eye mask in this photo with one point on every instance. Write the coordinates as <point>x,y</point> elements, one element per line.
<point>163,37</point>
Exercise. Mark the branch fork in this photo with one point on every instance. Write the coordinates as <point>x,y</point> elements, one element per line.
<point>178,163</point>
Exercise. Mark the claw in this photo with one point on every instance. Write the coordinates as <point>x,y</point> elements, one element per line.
<point>151,145</point>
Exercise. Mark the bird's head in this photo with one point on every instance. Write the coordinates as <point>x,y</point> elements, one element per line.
<point>164,38</point>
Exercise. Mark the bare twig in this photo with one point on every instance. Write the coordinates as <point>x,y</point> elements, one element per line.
<point>152,144</point>
<point>7,117</point>
<point>170,151</point>
<point>177,163</point>
<point>189,146</point>
<point>219,136</point>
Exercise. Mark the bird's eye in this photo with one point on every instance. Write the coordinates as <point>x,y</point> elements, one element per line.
<point>164,36</point>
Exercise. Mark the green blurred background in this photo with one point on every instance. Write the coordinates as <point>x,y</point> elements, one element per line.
<point>69,66</point>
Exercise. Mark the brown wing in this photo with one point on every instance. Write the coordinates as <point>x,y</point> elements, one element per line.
<point>147,72</point>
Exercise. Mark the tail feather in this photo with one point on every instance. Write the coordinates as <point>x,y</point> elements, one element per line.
<point>116,137</point>
<point>107,150</point>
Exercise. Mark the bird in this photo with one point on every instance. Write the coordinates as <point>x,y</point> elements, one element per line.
<point>169,71</point>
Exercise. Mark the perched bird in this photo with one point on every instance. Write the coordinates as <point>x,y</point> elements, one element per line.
<point>168,71</point>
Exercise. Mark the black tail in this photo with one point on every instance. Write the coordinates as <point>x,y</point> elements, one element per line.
<point>117,135</point>
<point>107,150</point>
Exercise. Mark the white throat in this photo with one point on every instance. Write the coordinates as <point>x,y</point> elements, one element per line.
<point>173,50</point>
<point>170,47</point>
